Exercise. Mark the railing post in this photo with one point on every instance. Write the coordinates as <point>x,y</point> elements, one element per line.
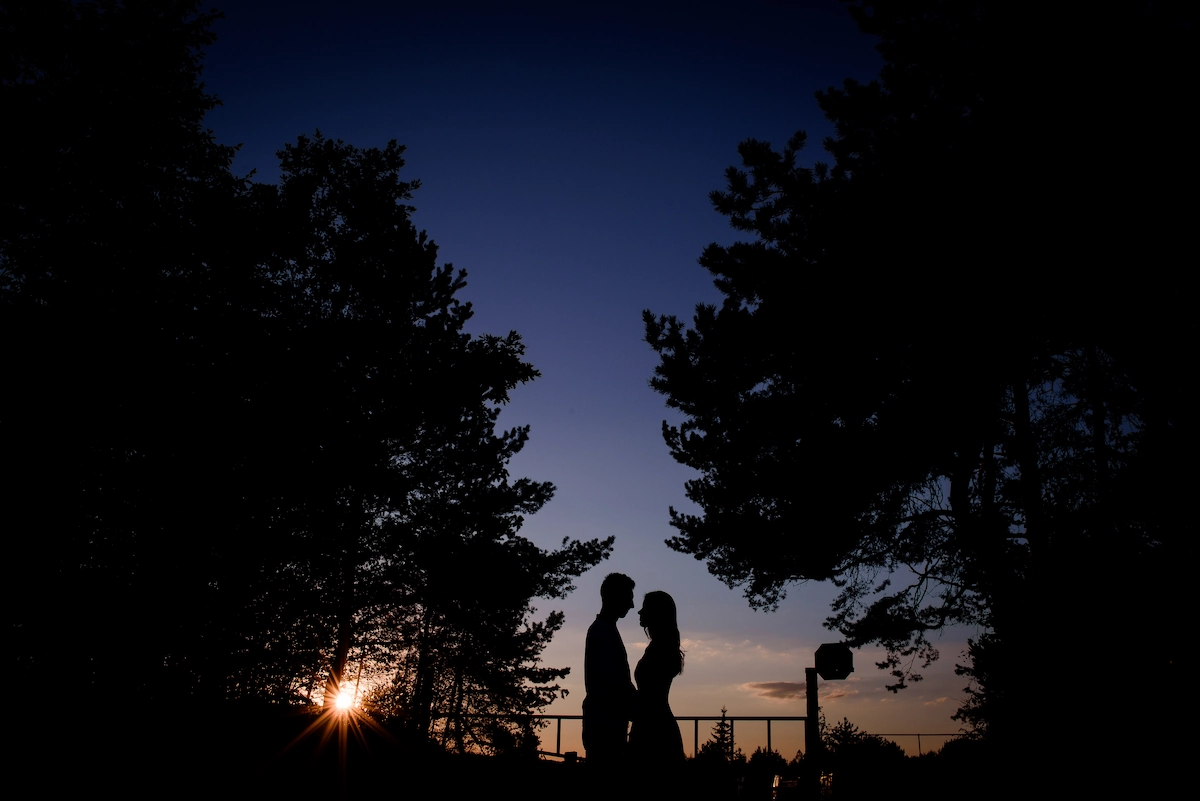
<point>558,738</point>
<point>768,735</point>
<point>695,738</point>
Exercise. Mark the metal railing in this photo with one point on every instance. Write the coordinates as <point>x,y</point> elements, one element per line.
<point>679,719</point>
<point>695,719</point>
<point>918,735</point>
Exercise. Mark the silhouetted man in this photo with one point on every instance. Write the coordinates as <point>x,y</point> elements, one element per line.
<point>610,694</point>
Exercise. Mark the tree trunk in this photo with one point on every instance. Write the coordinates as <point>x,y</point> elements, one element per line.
<point>345,633</point>
<point>1026,457</point>
<point>423,686</point>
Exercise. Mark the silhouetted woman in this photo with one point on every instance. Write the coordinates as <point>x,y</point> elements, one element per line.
<point>654,738</point>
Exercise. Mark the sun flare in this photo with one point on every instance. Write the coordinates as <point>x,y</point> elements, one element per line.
<point>344,700</point>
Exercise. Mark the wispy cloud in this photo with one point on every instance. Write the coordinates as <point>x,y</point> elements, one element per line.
<point>775,689</point>
<point>941,700</point>
<point>788,690</point>
<point>702,649</point>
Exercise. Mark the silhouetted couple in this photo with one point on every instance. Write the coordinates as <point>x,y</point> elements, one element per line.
<point>653,744</point>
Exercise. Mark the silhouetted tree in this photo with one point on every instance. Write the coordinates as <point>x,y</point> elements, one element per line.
<point>720,747</point>
<point>761,769</point>
<point>719,765</point>
<point>844,738</point>
<point>404,502</point>
<point>267,441</point>
<point>977,708</point>
<point>115,265</point>
<point>862,765</point>
<point>906,393</point>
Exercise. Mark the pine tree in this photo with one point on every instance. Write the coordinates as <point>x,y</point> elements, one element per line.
<point>256,455</point>
<point>917,400</point>
<point>720,746</point>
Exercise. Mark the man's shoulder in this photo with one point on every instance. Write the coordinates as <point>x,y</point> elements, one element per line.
<point>603,629</point>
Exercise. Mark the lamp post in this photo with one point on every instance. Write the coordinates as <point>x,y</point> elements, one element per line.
<point>834,662</point>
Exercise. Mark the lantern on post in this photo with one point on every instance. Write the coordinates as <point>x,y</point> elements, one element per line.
<point>834,661</point>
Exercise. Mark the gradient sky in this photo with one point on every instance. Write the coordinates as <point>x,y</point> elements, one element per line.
<point>566,159</point>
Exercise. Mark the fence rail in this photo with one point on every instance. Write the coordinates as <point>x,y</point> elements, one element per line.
<point>695,719</point>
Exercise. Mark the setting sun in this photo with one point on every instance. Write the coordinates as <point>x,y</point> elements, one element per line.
<point>345,699</point>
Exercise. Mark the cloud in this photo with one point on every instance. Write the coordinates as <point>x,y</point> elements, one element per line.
<point>787,690</point>
<point>941,700</point>
<point>703,649</point>
<point>775,689</point>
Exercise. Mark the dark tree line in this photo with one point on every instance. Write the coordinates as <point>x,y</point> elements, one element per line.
<point>949,372</point>
<point>249,450</point>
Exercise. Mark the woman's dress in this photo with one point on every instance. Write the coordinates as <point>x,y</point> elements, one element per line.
<point>654,736</point>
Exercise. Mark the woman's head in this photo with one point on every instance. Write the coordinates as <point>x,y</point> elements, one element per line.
<point>657,616</point>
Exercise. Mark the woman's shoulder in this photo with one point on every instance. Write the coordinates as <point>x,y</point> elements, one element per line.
<point>662,653</point>
<point>656,649</point>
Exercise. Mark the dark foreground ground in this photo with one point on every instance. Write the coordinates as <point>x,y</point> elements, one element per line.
<point>269,753</point>
<point>240,753</point>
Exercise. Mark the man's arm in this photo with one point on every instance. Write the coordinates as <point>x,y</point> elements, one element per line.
<point>606,668</point>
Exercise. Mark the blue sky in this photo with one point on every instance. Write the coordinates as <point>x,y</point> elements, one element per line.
<point>566,158</point>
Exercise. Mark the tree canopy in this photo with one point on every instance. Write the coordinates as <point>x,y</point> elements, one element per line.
<point>927,382</point>
<point>250,451</point>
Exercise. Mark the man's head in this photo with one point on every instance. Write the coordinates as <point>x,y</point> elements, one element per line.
<point>616,595</point>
